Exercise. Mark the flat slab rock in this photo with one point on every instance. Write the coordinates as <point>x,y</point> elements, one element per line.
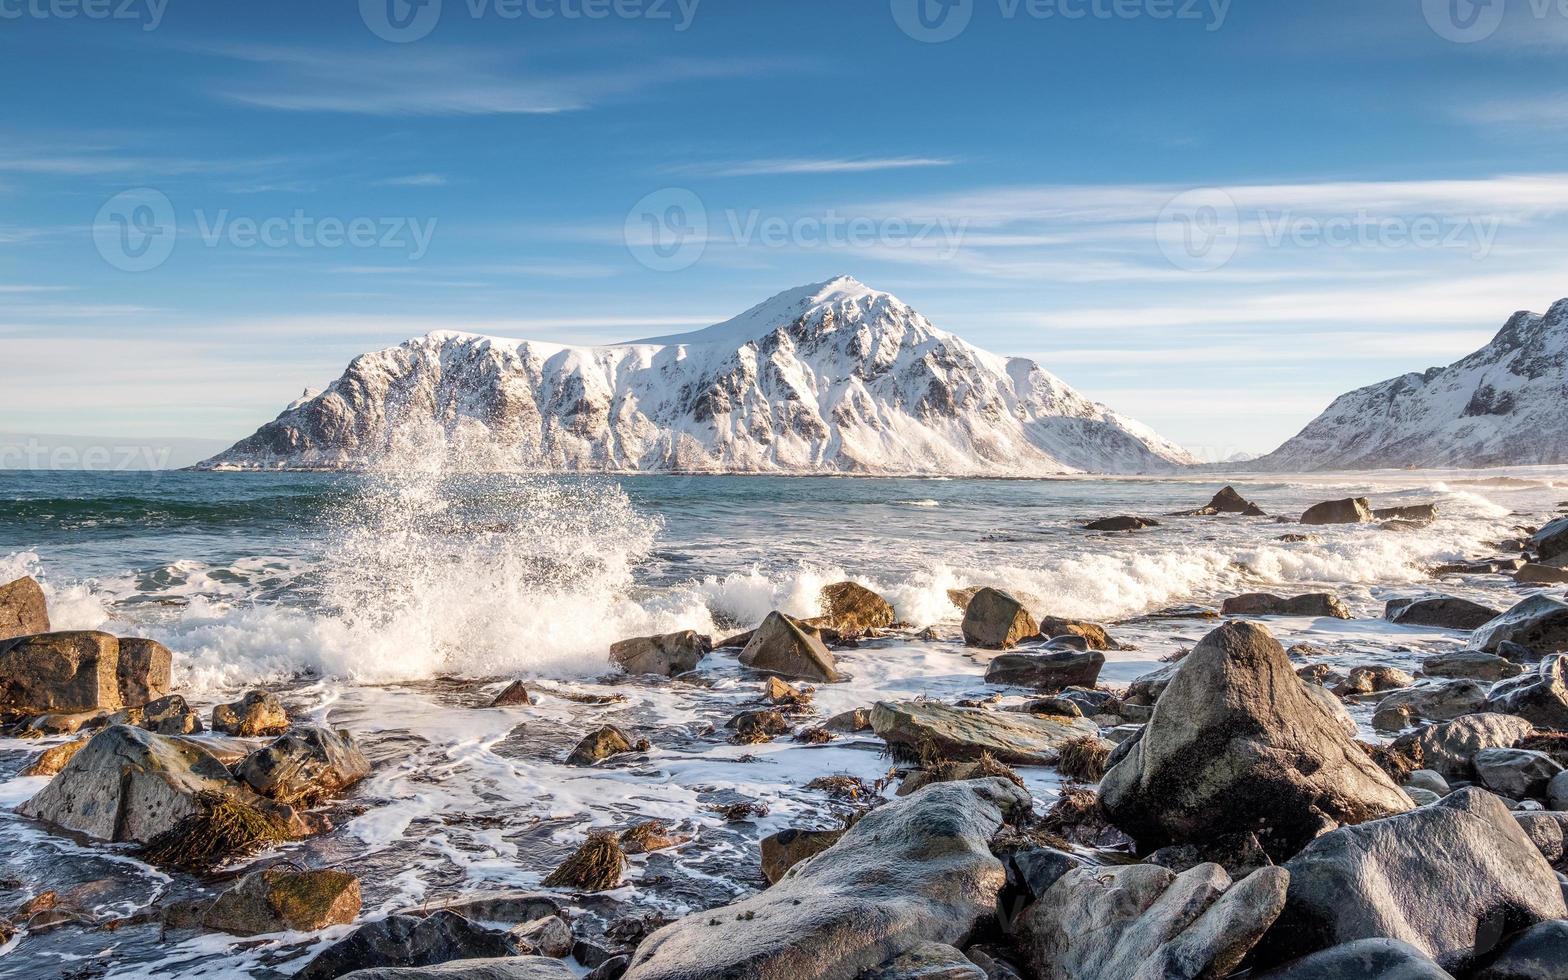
<point>918,870</point>
<point>967,733</point>
<point>503,968</point>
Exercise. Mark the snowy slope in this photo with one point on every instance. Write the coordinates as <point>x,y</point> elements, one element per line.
<point>829,378</point>
<point>1506,404</point>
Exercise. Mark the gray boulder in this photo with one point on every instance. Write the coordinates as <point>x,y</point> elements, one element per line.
<point>1351,510</point>
<point>1545,829</point>
<point>1515,773</point>
<point>667,654</point>
<point>1539,697</point>
<point>913,871</point>
<point>407,941</point>
<point>1532,573</point>
<point>1372,678</point>
<point>1431,701</point>
<point>1364,959</point>
<point>1539,622</point>
<point>915,728</point>
<point>784,647</point>
<point>1449,748</point>
<point>503,968</point>
<point>23,610</point>
<point>1269,604</point>
<point>1419,513</point>
<point>304,765</point>
<point>1472,664</point>
<point>927,961</point>
<point>1046,672</point>
<point>1538,953</point>
<point>996,620</point>
<point>1239,744</point>
<point>1124,522</point>
<point>1450,879</point>
<point>1144,922</point>
<point>1551,540</point>
<point>1557,792</point>
<point>1147,688</point>
<point>1442,611</point>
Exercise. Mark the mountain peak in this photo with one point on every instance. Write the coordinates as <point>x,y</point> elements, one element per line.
<point>841,293</point>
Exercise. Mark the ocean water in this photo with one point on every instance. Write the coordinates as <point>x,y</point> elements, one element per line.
<point>394,605</point>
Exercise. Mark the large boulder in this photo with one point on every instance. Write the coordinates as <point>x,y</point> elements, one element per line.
<point>259,714</point>
<point>1539,697</point>
<point>997,620</point>
<point>915,870</point>
<point>1472,664</point>
<point>1538,953</point>
<point>667,654</point>
<point>1449,748</point>
<point>498,968</point>
<point>146,670</point>
<point>1268,604</point>
<point>1419,513</point>
<point>304,765</point>
<point>918,729</point>
<point>928,961</point>
<point>1046,672</point>
<point>1239,744</point>
<point>1227,501</point>
<point>1536,574</point>
<point>1539,622</point>
<point>1451,879</point>
<point>285,900</point>
<point>23,610</point>
<point>1092,634</point>
<point>1124,522</point>
<point>60,672</point>
<point>1551,540</point>
<point>1351,510</point>
<point>784,647</point>
<point>169,715</point>
<point>1516,773</point>
<point>1145,922</point>
<point>129,784</point>
<point>1364,959</point>
<point>1430,701</point>
<point>853,609</point>
<point>1442,611</point>
<point>408,941</point>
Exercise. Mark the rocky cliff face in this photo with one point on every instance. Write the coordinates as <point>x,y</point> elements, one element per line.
<point>1504,405</point>
<point>828,378</point>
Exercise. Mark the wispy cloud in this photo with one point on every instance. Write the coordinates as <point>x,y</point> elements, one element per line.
<point>413,180</point>
<point>839,165</point>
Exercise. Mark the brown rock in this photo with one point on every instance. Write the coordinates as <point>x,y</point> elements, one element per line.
<point>304,765</point>
<point>1351,510</point>
<point>599,745</point>
<point>257,714</point>
<point>996,620</point>
<point>282,900</point>
<point>853,609</point>
<point>668,654</point>
<point>1093,633</point>
<point>60,672</point>
<point>1268,604</point>
<point>782,646</point>
<point>515,693</point>
<point>145,670</point>
<point>23,611</point>
<point>787,848</point>
<point>52,760</point>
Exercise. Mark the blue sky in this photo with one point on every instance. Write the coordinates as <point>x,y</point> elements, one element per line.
<point>1213,216</point>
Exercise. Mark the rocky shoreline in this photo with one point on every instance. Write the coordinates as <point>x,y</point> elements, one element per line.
<point>1223,815</point>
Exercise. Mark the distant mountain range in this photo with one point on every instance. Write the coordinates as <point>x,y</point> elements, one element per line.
<point>834,377</point>
<point>1504,405</point>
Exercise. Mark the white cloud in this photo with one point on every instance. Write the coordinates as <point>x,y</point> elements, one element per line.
<point>413,180</point>
<point>757,168</point>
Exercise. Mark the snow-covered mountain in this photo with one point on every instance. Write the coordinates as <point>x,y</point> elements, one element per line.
<point>828,378</point>
<point>1504,405</point>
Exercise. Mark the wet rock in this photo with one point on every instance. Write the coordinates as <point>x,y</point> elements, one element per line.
<point>60,672</point>
<point>1557,792</point>
<point>1090,701</point>
<point>1240,744</point>
<point>145,671</point>
<point>1539,697</point>
<point>65,724</point>
<point>1428,779</point>
<point>1046,672</point>
<point>916,728</point>
<point>927,961</point>
<point>1451,879</point>
<point>853,609</point>
<point>759,725</point>
<point>1441,611</point>
<point>1518,653</point>
<point>128,784</point>
<point>1551,541</point>
<point>256,715</point>
<point>1430,701</point>
<point>668,654</point>
<point>1364,959</point>
<point>782,646</point>
<point>1123,523</point>
<point>508,968</point>
<point>1545,831</point>
<point>548,936</point>
<point>853,720</point>
<point>284,900</point>
<point>1147,688</point>
<point>1538,953</point>
<point>599,745</point>
<point>996,620</point>
<point>304,765</point>
<point>912,871</point>
<point>787,848</point>
<point>1268,604</point>
<point>23,610</point>
<point>1238,854</point>
<point>1144,922</point>
<point>52,760</point>
<point>508,907</point>
<point>1351,510</point>
<point>1372,678</point>
<point>166,716</point>
<point>1472,664</point>
<point>613,968</point>
<point>514,694</point>
<point>1539,622</point>
<point>1449,748</point>
<point>1228,501</point>
<point>1534,574</point>
<point>1515,773</point>
<point>1487,566</point>
<point>409,941</point>
<point>1418,513</point>
<point>1092,634</point>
